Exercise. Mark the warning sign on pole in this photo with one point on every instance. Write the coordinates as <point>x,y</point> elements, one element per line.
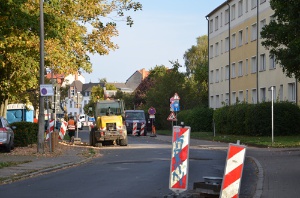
<point>233,171</point>
<point>172,117</point>
<point>180,159</point>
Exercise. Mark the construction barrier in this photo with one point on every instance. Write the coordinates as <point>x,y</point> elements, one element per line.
<point>142,132</point>
<point>63,130</point>
<point>178,180</point>
<point>134,128</point>
<point>233,171</point>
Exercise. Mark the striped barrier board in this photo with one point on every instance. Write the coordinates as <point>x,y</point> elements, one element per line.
<point>233,171</point>
<point>134,128</point>
<point>142,132</point>
<point>178,180</point>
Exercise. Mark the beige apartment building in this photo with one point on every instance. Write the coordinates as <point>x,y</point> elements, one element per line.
<point>240,68</point>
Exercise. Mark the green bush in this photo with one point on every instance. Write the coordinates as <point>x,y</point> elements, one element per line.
<point>255,119</point>
<point>199,118</point>
<point>25,133</point>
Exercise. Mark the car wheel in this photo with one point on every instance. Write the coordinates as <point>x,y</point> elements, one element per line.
<point>124,142</point>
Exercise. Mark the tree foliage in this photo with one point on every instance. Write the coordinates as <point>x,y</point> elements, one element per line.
<point>73,30</point>
<point>282,37</point>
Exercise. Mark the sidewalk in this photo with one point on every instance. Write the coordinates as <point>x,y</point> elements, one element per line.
<point>31,165</point>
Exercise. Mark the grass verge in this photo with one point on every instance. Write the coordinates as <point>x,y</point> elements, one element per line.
<point>264,141</point>
<point>8,164</point>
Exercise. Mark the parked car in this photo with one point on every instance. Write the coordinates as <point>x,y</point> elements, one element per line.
<point>135,116</point>
<point>6,135</point>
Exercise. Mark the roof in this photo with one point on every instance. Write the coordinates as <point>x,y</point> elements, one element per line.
<point>77,84</point>
<point>88,86</point>
<point>217,8</point>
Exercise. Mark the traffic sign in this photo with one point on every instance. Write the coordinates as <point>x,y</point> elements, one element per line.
<point>151,111</point>
<point>46,90</point>
<point>175,105</point>
<point>172,117</point>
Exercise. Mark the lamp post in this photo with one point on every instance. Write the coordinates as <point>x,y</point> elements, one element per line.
<point>272,112</point>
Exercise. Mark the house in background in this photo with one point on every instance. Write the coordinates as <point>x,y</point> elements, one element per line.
<point>79,88</point>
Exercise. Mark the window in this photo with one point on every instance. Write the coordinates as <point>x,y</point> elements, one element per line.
<point>217,49</point>
<point>246,35</point>
<point>211,76</point>
<point>253,64</point>
<point>291,92</point>
<point>246,67</point>
<point>262,94</point>
<point>226,72</point>
<point>216,23</point>
<point>221,19</point>
<point>262,24</point>
<point>247,5</point>
<point>211,51</point>
<point>211,101</point>
<point>262,62</point>
<point>253,4</point>
<point>233,97</point>
<point>240,71</point>
<point>217,101</point>
<point>226,16</point>
<point>233,12</point>
<point>281,93</point>
<point>272,62</point>
<point>240,38</point>
<point>211,23</point>
<point>233,70</point>
<point>227,44</point>
<point>217,75</point>
<point>227,98</point>
<point>240,8</point>
<point>254,96</point>
<point>233,41</point>
<point>247,95</point>
<point>241,96</point>
<point>254,32</point>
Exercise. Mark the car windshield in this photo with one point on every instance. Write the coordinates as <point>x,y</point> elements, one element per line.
<point>135,116</point>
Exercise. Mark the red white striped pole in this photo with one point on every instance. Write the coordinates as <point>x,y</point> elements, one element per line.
<point>233,171</point>
<point>134,129</point>
<point>142,129</point>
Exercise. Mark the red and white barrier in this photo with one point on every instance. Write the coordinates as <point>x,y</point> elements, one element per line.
<point>134,128</point>
<point>233,171</point>
<point>142,132</point>
<point>180,159</point>
<point>51,126</point>
<point>62,130</point>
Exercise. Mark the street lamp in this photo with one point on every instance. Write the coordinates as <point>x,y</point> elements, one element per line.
<point>272,97</point>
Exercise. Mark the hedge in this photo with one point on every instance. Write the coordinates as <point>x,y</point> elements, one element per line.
<point>256,119</point>
<point>26,133</point>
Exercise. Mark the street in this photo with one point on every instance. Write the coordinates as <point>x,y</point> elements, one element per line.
<point>139,170</point>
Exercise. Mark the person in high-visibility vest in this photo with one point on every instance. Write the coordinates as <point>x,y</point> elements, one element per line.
<point>71,128</point>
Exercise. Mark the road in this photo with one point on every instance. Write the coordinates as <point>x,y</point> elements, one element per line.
<point>139,170</point>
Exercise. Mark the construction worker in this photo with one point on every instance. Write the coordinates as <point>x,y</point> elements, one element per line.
<point>72,125</point>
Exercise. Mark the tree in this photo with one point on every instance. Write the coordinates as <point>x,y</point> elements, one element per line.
<point>281,36</point>
<point>196,63</point>
<point>73,30</point>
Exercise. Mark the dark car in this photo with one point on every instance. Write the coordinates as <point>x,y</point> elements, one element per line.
<point>6,135</point>
<point>138,117</point>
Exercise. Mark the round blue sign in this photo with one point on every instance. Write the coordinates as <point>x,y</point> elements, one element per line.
<point>44,91</point>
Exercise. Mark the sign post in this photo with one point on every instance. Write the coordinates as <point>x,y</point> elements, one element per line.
<point>152,112</point>
<point>178,180</point>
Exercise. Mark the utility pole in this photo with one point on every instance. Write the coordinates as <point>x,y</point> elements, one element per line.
<point>41,117</point>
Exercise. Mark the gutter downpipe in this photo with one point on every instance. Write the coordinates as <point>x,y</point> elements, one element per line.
<point>257,47</point>
<point>229,55</point>
<point>207,18</point>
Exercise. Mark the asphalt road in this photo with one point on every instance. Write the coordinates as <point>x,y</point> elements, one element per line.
<point>140,169</point>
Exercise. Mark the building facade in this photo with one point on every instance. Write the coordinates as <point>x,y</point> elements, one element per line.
<point>240,68</point>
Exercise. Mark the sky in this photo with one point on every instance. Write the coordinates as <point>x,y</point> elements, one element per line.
<point>162,32</point>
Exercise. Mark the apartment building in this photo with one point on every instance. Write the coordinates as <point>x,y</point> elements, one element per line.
<point>240,68</point>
